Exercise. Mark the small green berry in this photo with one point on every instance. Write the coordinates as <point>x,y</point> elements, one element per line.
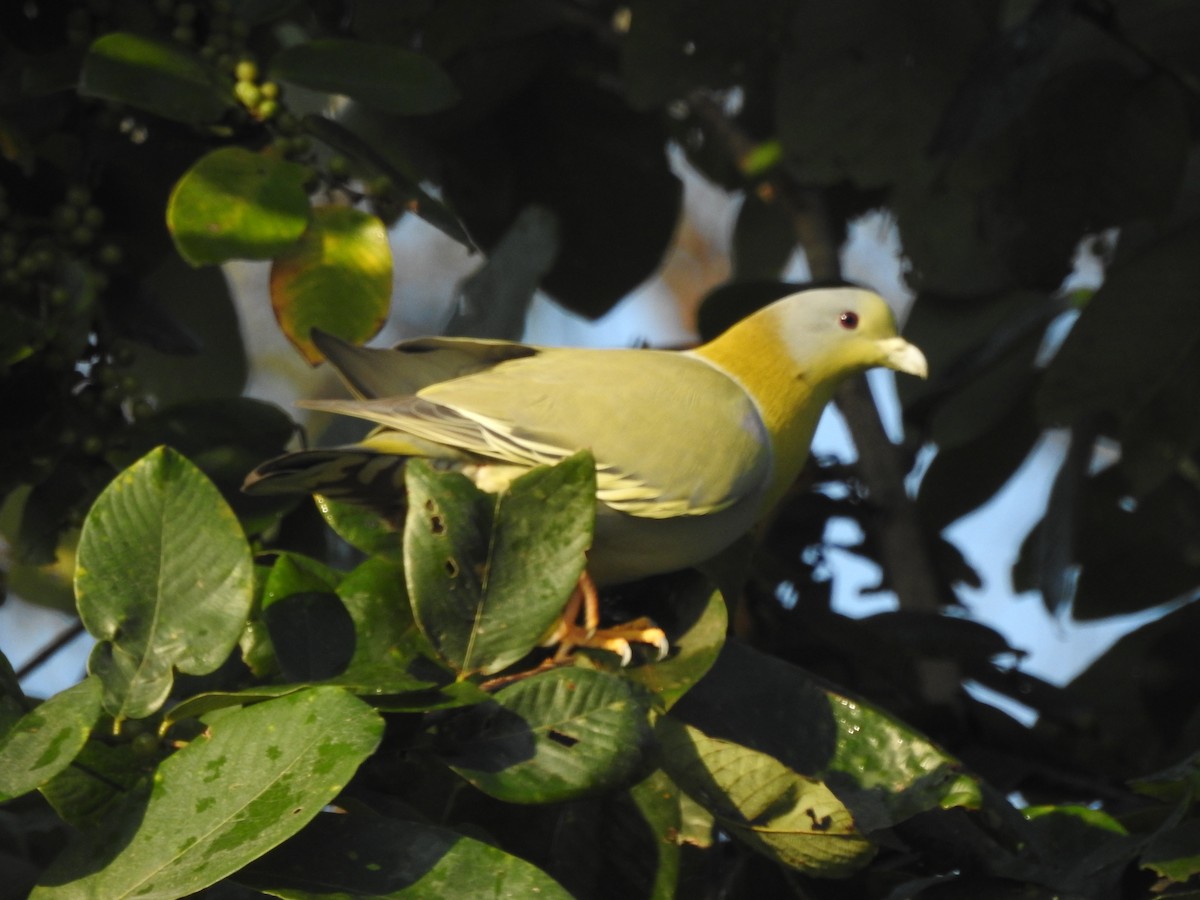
<point>142,409</point>
<point>78,195</point>
<point>246,70</point>
<point>92,445</point>
<point>185,13</point>
<point>248,93</point>
<point>270,90</point>
<point>266,109</point>
<point>183,33</point>
<point>93,216</point>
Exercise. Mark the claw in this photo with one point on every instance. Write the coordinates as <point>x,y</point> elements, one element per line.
<point>570,633</point>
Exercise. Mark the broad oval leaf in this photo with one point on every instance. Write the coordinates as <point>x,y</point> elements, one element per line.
<point>489,574</point>
<point>695,620</point>
<point>388,78</point>
<point>363,854</point>
<point>253,779</point>
<point>338,278</point>
<point>235,204</point>
<point>554,736</point>
<point>780,813</point>
<point>154,76</point>
<point>1112,359</point>
<point>44,741</point>
<point>164,579</point>
<point>882,770</point>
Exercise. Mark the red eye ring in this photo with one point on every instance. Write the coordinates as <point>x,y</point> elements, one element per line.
<point>848,320</point>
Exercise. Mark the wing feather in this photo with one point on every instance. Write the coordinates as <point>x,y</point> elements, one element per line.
<point>672,435</point>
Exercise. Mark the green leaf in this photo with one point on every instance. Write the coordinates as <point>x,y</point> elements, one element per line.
<point>199,705</point>
<point>362,528</point>
<point>391,656</point>
<point>100,781</point>
<point>344,254</point>
<point>236,204</point>
<point>45,741</point>
<point>554,736</point>
<point>389,78</point>
<point>313,635</point>
<point>253,779</point>
<point>862,104</point>
<point>757,799</point>
<point>1175,854</point>
<point>503,168</point>
<point>1110,360</point>
<point>625,841</point>
<point>164,579</point>
<point>155,76</point>
<point>362,854</point>
<point>489,574</point>
<point>881,769</point>
<point>295,573</point>
<point>695,620</point>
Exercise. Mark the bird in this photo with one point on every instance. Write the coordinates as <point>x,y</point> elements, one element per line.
<point>692,448</point>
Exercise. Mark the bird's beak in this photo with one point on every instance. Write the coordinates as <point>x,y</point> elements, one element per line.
<point>902,356</point>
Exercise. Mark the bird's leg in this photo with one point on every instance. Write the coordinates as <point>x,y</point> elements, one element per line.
<point>572,633</point>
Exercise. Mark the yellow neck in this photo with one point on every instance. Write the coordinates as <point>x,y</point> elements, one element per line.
<point>789,397</point>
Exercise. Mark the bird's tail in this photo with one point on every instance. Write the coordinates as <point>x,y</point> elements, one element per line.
<point>355,473</point>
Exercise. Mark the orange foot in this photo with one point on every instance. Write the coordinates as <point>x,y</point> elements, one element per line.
<point>572,633</point>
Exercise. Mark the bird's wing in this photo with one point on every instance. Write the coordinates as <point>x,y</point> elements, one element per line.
<point>411,365</point>
<point>672,436</point>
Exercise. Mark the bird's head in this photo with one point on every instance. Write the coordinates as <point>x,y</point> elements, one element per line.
<point>834,331</point>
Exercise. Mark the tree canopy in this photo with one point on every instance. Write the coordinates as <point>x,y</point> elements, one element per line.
<point>278,704</point>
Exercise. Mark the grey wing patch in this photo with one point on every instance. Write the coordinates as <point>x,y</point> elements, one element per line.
<point>412,365</point>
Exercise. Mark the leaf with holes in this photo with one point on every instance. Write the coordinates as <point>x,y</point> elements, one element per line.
<point>164,581</point>
<point>345,255</point>
<point>252,780</point>
<point>782,814</point>
<point>554,736</point>
<point>489,574</point>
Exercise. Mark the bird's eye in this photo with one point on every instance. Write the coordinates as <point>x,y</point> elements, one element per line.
<point>848,320</point>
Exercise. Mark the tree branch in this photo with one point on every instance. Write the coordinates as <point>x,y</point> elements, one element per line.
<point>905,554</point>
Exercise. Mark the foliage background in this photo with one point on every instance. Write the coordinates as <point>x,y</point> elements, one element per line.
<point>143,144</point>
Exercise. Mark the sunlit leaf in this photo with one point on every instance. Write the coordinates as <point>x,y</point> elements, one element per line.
<point>252,780</point>
<point>777,811</point>
<point>344,255</point>
<point>155,76</point>
<point>164,581</point>
<point>235,204</point>
<point>553,736</point>
<point>489,574</point>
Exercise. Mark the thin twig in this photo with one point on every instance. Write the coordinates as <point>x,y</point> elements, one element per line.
<point>43,656</point>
